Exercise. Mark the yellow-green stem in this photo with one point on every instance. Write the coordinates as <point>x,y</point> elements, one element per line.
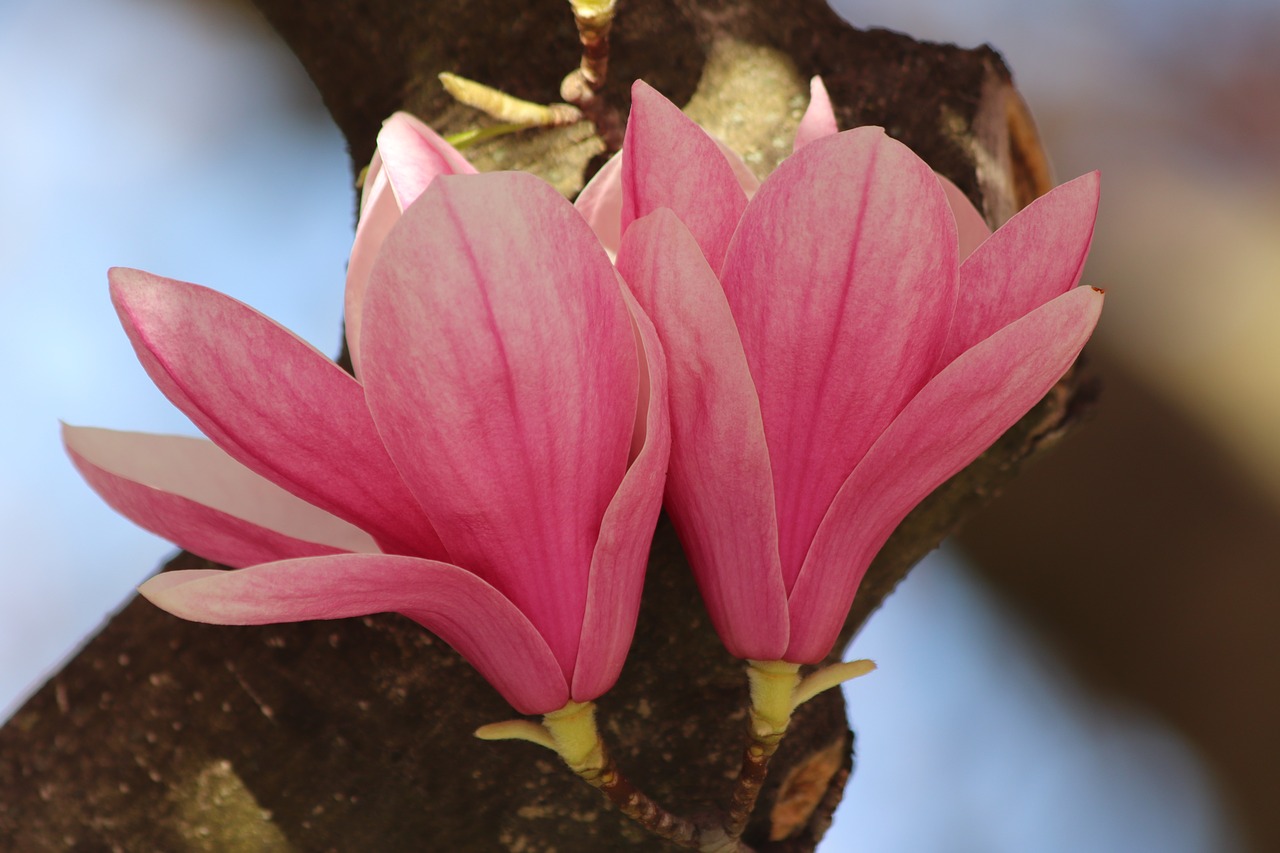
<point>773,687</point>
<point>577,740</point>
<point>776,691</point>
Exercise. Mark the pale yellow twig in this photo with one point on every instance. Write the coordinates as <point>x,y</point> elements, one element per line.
<point>506,108</point>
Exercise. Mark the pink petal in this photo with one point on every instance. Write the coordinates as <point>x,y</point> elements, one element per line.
<point>973,229</point>
<point>958,415</point>
<point>668,161</point>
<point>467,613</point>
<point>741,171</point>
<point>371,176</point>
<point>413,155</point>
<point>819,118</point>
<point>502,373</point>
<point>193,494</point>
<point>841,277</point>
<point>271,401</point>
<point>626,531</point>
<point>719,487</point>
<point>600,203</point>
<point>1036,256</point>
<point>410,156</point>
<point>378,214</point>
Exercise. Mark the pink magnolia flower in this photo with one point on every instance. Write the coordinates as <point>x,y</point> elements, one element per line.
<point>831,358</point>
<point>495,474</point>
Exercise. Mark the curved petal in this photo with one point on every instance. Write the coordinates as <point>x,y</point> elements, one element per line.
<point>841,277</point>
<point>741,171</point>
<point>819,118</point>
<point>958,415</point>
<point>271,401</point>
<point>413,155</point>
<point>719,488</point>
<point>467,613</point>
<point>371,174</point>
<point>971,227</point>
<point>378,214</point>
<point>502,373</point>
<point>626,531</point>
<point>193,494</point>
<point>410,156</point>
<point>668,161</point>
<point>600,203</point>
<point>1036,256</point>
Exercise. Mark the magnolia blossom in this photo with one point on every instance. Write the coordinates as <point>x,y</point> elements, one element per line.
<point>494,474</point>
<point>834,353</point>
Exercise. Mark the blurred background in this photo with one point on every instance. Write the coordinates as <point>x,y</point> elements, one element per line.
<point>1095,665</point>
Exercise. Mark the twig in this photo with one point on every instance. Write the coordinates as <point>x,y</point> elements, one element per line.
<point>507,108</point>
<point>776,691</point>
<point>583,86</point>
<point>571,732</point>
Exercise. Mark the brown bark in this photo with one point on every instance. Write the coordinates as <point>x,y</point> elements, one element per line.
<point>350,735</point>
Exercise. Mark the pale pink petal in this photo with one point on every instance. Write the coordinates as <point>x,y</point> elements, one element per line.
<point>626,531</point>
<point>212,529</point>
<point>371,175</point>
<point>973,229</point>
<point>467,613</point>
<point>958,415</point>
<point>409,156</point>
<point>669,161</point>
<point>841,277</point>
<point>741,171</point>
<point>502,373</point>
<point>600,203</point>
<point>189,484</point>
<point>272,401</point>
<point>719,487</point>
<point>413,155</point>
<point>1036,256</point>
<point>378,214</point>
<point>819,118</point>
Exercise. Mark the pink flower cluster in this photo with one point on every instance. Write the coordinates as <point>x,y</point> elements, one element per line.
<point>795,363</point>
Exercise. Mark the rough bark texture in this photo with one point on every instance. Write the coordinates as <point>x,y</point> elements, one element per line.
<point>166,735</point>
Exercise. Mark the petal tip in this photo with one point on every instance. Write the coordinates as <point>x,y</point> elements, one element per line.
<point>643,90</point>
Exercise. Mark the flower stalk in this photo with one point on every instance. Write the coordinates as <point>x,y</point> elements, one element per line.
<point>572,734</point>
<point>777,689</point>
